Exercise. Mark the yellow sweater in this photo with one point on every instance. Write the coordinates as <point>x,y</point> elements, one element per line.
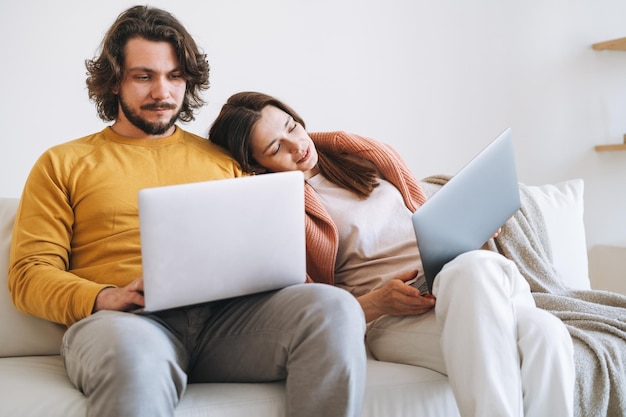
<point>77,228</point>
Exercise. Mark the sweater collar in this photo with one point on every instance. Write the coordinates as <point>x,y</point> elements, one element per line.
<point>110,134</point>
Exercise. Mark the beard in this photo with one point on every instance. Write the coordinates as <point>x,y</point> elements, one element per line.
<point>149,128</point>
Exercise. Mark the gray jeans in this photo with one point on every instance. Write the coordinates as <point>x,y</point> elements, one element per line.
<point>132,365</point>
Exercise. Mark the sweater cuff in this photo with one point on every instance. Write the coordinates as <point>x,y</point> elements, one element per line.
<point>85,299</point>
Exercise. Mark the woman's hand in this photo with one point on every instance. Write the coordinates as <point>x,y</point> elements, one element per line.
<point>120,298</point>
<point>485,245</point>
<point>396,298</point>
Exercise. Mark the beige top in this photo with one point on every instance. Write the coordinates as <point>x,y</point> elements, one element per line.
<point>376,237</point>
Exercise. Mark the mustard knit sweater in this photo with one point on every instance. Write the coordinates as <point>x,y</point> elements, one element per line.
<point>322,240</point>
<point>77,228</point>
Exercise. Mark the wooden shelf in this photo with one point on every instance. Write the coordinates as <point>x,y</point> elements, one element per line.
<point>616,147</point>
<point>612,147</point>
<point>615,45</point>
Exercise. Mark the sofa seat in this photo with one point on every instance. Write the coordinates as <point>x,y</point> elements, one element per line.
<point>37,386</point>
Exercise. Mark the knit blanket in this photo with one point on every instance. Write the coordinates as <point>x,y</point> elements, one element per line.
<point>596,320</point>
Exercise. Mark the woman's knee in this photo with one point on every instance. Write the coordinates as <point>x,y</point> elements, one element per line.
<point>474,263</point>
<point>480,270</point>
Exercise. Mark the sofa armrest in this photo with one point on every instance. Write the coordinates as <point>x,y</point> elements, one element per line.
<point>21,335</point>
<point>562,207</point>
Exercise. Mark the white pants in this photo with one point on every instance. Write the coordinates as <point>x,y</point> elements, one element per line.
<point>503,355</point>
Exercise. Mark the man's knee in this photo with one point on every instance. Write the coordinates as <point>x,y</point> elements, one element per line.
<point>330,310</point>
<point>327,298</point>
<point>120,345</point>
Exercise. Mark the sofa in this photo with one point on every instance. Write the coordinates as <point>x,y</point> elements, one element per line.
<point>33,381</point>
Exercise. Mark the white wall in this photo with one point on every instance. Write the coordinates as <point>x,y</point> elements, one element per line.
<point>437,80</point>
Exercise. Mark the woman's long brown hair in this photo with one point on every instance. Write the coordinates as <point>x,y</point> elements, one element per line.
<point>232,130</point>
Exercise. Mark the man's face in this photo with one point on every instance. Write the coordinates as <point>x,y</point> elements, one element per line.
<point>151,92</point>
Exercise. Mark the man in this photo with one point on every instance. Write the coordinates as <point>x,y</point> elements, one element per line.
<point>75,255</point>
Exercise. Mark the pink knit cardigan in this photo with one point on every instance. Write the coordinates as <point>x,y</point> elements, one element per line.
<point>321,233</point>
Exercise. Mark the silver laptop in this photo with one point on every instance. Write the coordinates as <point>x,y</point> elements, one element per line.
<point>469,208</point>
<point>219,239</point>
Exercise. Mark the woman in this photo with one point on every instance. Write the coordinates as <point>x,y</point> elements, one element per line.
<point>503,356</point>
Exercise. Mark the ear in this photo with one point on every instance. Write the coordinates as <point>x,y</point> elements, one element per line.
<point>257,169</point>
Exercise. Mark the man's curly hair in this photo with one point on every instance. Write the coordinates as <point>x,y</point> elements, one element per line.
<point>105,73</point>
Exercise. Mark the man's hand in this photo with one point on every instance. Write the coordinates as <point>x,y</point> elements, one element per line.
<point>396,298</point>
<point>120,298</point>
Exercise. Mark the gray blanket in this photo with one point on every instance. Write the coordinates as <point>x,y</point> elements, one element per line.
<point>596,320</point>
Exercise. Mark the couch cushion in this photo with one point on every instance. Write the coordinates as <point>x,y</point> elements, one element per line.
<point>38,386</point>
<point>562,207</point>
<point>391,390</point>
<point>21,335</point>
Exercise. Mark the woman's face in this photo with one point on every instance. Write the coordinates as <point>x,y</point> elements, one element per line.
<point>278,143</point>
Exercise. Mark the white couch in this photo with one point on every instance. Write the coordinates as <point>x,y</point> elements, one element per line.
<point>33,381</point>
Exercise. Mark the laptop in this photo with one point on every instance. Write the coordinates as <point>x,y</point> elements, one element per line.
<point>219,239</point>
<point>469,208</point>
